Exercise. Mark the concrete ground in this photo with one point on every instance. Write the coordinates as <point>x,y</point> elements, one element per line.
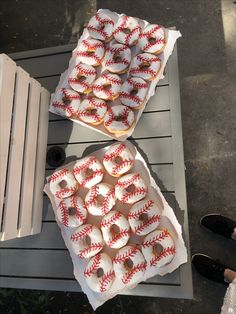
<point>207,64</point>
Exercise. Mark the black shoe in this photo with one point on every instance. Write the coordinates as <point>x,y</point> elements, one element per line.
<point>209,268</point>
<point>218,224</point>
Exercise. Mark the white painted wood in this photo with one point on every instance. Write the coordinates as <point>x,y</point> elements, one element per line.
<point>7,82</point>
<point>40,162</point>
<point>10,218</point>
<point>28,172</point>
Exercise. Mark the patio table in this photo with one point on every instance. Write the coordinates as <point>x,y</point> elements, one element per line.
<point>42,261</point>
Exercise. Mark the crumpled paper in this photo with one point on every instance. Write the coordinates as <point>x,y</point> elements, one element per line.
<point>168,221</point>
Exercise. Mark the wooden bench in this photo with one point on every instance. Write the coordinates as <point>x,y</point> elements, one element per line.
<point>42,261</point>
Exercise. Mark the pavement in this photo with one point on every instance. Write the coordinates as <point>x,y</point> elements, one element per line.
<point>207,65</point>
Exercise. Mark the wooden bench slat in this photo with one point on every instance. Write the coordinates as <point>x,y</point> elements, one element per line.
<point>40,162</point>
<point>7,82</point>
<point>13,187</point>
<point>28,172</point>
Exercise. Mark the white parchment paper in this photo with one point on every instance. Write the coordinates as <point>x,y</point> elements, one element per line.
<point>171,36</point>
<point>168,221</point>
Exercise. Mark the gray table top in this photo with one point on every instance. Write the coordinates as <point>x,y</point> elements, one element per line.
<point>42,261</point>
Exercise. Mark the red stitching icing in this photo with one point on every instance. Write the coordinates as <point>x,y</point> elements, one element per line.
<point>167,251</point>
<point>90,46</point>
<point>118,151</point>
<point>78,213</point>
<point>100,88</point>
<point>135,98</point>
<point>103,21</point>
<point>81,83</point>
<point>122,25</point>
<point>137,191</point>
<point>97,104</point>
<point>150,32</point>
<point>93,247</point>
<point>128,37</point>
<point>72,95</point>
<point>81,70</point>
<point>119,236</point>
<point>111,117</point>
<point>80,235</point>
<point>96,173</point>
<point>112,79</point>
<point>149,45</point>
<point>137,84</point>
<point>142,210</point>
<point>64,191</point>
<point>95,265</point>
<point>128,276</point>
<point>106,279</point>
<point>147,59</point>
<point>92,196</point>
<point>85,54</point>
<point>145,224</point>
<point>127,182</point>
<point>123,257</point>
<point>64,213</point>
<point>111,220</point>
<point>106,208</point>
<point>99,31</point>
<point>155,239</point>
<point>125,163</point>
<point>87,164</point>
<point>58,175</point>
<point>113,62</point>
<point>143,71</point>
<point>64,107</point>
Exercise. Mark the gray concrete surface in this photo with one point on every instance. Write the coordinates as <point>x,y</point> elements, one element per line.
<point>207,63</point>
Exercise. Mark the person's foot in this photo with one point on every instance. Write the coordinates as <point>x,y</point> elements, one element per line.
<point>209,268</point>
<point>219,224</point>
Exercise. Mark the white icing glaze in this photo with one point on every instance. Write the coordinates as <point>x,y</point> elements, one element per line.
<point>144,217</point>
<point>82,77</point>
<point>118,159</point>
<point>130,188</point>
<point>71,211</point>
<point>80,244</point>
<point>62,183</point>
<point>129,265</point>
<point>115,238</point>
<point>164,240</point>
<point>66,102</point>
<point>152,39</point>
<point>90,51</point>
<point>107,86</point>
<point>127,30</point>
<point>95,282</point>
<point>88,171</point>
<point>119,119</point>
<point>92,110</point>
<point>100,26</point>
<point>133,92</point>
<point>146,66</point>
<point>117,58</point>
<point>100,199</point>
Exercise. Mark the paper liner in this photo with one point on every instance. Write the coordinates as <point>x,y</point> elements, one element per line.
<point>171,36</point>
<point>168,220</point>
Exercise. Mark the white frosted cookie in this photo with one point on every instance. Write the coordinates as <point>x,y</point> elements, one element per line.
<point>115,229</point>
<point>99,273</point>
<point>101,27</point>
<point>129,265</point>
<point>88,171</point>
<point>158,248</point>
<point>144,217</point>
<point>92,110</point>
<point>90,51</point>
<point>133,92</point>
<point>66,102</point>
<point>145,66</point>
<point>152,39</point>
<point>87,241</point>
<point>119,119</point>
<point>117,58</point>
<point>107,86</point>
<point>130,188</point>
<point>71,211</point>
<point>82,77</point>
<point>127,30</point>
<point>118,159</point>
<point>100,199</point>
<point>62,183</point>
